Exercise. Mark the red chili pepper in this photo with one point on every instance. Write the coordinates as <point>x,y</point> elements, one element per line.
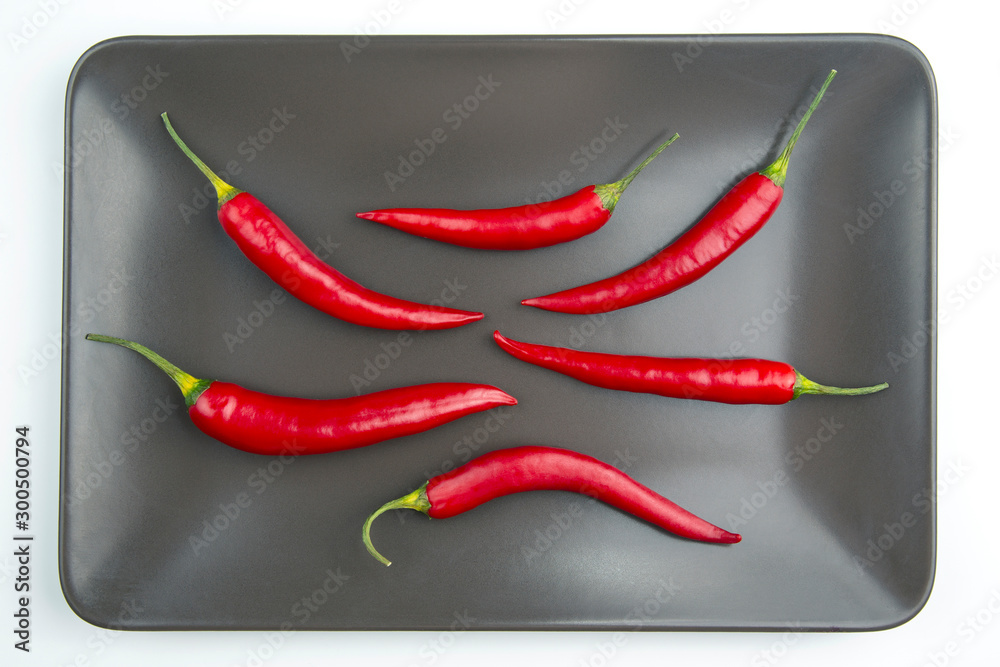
<point>729,224</point>
<point>517,227</point>
<point>518,469</point>
<point>722,380</point>
<point>264,424</point>
<point>278,252</point>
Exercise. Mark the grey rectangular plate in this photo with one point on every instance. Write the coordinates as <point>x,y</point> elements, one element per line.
<point>163,527</point>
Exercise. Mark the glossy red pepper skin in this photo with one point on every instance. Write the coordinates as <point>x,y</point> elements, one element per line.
<point>275,249</point>
<point>274,425</point>
<point>533,468</point>
<point>735,381</point>
<point>517,227</point>
<point>729,224</point>
<point>278,252</point>
<point>740,214</point>
<point>266,424</point>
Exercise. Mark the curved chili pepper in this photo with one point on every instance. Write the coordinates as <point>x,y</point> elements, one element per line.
<point>278,252</point>
<point>517,227</point>
<point>735,381</point>
<point>535,468</point>
<point>740,214</point>
<point>273,425</point>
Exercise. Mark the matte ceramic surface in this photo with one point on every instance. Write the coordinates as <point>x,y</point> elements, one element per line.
<point>163,527</point>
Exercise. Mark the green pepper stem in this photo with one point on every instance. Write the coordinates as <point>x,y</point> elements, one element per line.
<point>190,386</point>
<point>779,168</point>
<point>415,500</point>
<point>224,191</point>
<point>804,385</point>
<point>610,192</point>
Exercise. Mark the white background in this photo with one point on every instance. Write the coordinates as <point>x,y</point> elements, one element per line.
<point>958,37</point>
